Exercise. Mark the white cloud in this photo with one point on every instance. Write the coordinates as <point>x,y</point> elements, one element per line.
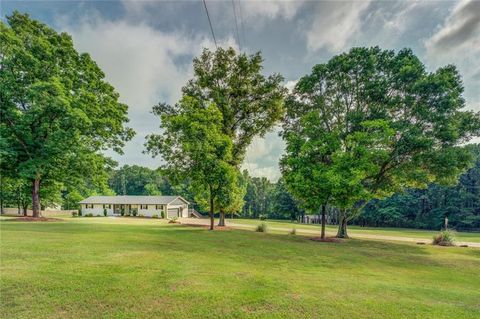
<point>263,155</point>
<point>142,64</point>
<point>286,9</point>
<point>457,41</point>
<point>334,23</point>
<point>290,85</point>
<point>137,59</point>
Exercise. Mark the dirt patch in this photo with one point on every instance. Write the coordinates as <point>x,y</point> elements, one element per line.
<point>327,240</point>
<point>35,219</point>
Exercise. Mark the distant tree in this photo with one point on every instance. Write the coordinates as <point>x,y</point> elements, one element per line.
<point>16,192</point>
<point>152,189</point>
<point>427,208</point>
<point>250,198</point>
<point>415,117</point>
<point>284,205</point>
<point>139,180</point>
<point>54,105</point>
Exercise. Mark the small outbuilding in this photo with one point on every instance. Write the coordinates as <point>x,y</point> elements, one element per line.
<point>167,206</point>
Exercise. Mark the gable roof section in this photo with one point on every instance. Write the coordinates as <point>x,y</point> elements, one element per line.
<point>128,199</point>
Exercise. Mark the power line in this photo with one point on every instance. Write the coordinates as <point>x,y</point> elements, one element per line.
<point>242,24</point>
<point>210,23</point>
<point>236,25</point>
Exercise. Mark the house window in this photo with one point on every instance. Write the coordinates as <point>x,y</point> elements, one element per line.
<point>159,207</point>
<point>87,206</point>
<point>143,206</point>
<point>107,206</point>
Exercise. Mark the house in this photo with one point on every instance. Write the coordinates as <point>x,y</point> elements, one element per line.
<point>167,206</point>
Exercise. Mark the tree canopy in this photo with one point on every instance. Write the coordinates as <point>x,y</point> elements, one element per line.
<point>375,122</point>
<point>230,96</point>
<point>57,111</point>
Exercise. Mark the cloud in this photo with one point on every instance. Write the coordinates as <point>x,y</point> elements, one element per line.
<point>263,155</point>
<point>334,23</point>
<point>290,85</point>
<point>457,41</point>
<point>462,28</point>
<point>270,9</point>
<point>144,65</point>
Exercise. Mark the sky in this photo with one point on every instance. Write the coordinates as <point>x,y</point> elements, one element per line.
<point>145,48</point>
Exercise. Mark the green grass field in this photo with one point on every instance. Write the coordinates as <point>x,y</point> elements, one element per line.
<point>354,230</point>
<point>143,268</point>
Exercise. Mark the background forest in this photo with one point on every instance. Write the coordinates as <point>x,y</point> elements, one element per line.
<point>416,208</point>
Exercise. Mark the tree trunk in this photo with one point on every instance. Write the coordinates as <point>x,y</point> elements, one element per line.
<point>342,227</point>
<point>36,198</point>
<point>221,220</point>
<point>25,207</point>
<point>324,213</point>
<point>212,210</point>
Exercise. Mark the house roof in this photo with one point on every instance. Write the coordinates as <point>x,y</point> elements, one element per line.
<point>128,199</point>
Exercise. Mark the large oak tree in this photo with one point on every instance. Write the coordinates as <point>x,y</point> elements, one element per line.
<point>249,102</point>
<point>382,117</point>
<point>57,111</point>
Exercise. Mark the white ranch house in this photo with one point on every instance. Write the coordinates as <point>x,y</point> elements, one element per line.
<point>171,206</point>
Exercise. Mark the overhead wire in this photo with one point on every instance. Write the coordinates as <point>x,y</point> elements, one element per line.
<point>242,25</point>
<point>210,23</point>
<point>236,25</point>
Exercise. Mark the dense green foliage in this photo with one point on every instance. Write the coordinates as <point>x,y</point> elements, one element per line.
<point>57,111</point>
<point>272,200</point>
<point>427,208</point>
<point>145,268</point>
<point>224,106</point>
<point>250,103</point>
<point>193,145</point>
<point>139,180</point>
<point>372,122</point>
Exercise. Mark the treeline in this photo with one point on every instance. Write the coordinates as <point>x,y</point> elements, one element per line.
<point>367,124</point>
<point>427,208</point>
<point>263,198</point>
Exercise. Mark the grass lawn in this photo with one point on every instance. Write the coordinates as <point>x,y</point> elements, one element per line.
<point>353,230</point>
<point>143,268</point>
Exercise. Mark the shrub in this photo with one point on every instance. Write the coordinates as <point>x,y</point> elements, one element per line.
<point>127,214</point>
<point>122,212</point>
<point>134,212</point>
<point>293,231</point>
<point>104,212</point>
<point>89,215</point>
<point>173,220</point>
<point>444,238</point>
<point>162,214</point>
<point>80,212</point>
<point>262,228</point>
<point>155,216</point>
<point>263,217</point>
<point>74,214</point>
